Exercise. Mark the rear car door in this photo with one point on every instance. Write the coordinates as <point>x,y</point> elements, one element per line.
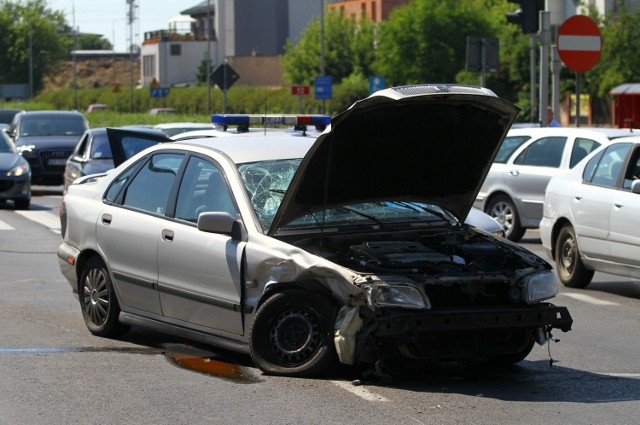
<point>200,273</point>
<point>624,232</point>
<point>531,171</point>
<point>128,230</point>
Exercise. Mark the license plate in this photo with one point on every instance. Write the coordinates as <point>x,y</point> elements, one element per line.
<point>57,161</point>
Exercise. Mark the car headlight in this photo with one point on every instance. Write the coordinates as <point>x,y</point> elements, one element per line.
<point>539,287</point>
<point>18,171</point>
<point>388,295</point>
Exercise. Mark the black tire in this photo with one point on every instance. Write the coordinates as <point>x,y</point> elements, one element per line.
<point>513,358</point>
<point>504,211</point>
<point>292,335</point>
<point>22,204</point>
<point>571,271</point>
<point>98,302</point>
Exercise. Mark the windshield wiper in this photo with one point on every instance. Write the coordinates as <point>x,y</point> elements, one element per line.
<point>421,207</point>
<point>360,213</point>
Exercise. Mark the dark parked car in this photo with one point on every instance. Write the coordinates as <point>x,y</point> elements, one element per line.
<point>7,114</point>
<point>92,154</point>
<point>14,175</point>
<point>46,139</point>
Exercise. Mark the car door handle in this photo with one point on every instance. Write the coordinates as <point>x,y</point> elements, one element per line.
<point>577,197</point>
<point>618,204</point>
<point>106,219</point>
<point>167,235</point>
<point>514,172</point>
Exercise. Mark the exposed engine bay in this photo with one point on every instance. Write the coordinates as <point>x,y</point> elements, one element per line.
<point>455,266</point>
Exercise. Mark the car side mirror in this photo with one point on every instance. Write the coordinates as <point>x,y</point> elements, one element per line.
<point>222,223</point>
<point>635,186</point>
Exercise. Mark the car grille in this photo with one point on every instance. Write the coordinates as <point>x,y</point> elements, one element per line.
<point>54,161</point>
<point>459,295</point>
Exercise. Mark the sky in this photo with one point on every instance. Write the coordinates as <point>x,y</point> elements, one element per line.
<point>110,17</point>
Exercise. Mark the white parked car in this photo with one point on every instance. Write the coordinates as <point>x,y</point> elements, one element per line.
<point>513,191</point>
<point>592,215</point>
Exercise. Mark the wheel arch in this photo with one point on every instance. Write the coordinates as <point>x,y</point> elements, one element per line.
<point>494,195</point>
<point>313,286</point>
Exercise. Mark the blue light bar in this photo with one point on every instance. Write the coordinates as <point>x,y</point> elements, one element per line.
<point>264,120</point>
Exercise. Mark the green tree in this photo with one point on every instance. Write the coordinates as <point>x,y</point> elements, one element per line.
<point>425,41</point>
<point>617,64</point>
<point>92,42</point>
<point>349,49</point>
<point>25,20</point>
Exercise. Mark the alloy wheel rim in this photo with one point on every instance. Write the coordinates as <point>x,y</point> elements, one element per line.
<point>96,297</point>
<point>503,214</point>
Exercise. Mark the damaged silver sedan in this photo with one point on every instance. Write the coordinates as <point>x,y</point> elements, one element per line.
<point>305,254</point>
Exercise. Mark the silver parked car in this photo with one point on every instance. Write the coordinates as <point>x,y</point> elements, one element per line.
<point>591,215</point>
<point>513,191</point>
<point>307,252</point>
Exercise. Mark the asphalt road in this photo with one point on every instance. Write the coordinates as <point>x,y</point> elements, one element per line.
<point>53,371</point>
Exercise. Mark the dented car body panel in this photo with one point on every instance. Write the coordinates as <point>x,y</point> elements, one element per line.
<point>350,248</point>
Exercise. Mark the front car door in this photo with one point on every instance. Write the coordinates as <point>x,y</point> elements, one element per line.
<point>200,273</point>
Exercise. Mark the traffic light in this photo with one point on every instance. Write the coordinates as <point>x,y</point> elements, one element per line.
<point>527,15</point>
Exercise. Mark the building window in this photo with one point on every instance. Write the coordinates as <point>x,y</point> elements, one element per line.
<point>175,49</point>
<point>149,66</point>
<point>374,16</point>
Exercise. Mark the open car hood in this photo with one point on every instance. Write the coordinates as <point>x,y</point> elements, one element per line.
<point>423,143</point>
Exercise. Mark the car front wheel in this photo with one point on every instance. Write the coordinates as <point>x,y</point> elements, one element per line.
<point>98,302</point>
<point>292,334</point>
<point>504,211</point>
<point>571,270</point>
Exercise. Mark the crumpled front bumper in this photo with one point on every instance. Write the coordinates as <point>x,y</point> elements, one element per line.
<point>441,334</point>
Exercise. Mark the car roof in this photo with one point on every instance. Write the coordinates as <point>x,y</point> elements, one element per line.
<point>242,148</point>
<point>610,133</point>
<point>48,113</point>
<point>184,125</point>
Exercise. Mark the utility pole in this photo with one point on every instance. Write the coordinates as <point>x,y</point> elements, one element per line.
<point>545,41</point>
<point>322,46</point>
<point>132,6</point>
<point>209,31</point>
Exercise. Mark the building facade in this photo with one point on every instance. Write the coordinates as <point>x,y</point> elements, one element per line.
<point>248,34</point>
<point>375,10</point>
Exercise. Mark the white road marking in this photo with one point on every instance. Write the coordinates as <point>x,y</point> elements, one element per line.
<point>587,298</point>
<point>47,219</point>
<point>360,391</point>
<point>6,226</point>
<point>623,375</point>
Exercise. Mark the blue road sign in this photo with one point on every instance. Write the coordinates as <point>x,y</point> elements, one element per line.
<point>323,86</point>
<point>376,82</point>
<point>159,91</point>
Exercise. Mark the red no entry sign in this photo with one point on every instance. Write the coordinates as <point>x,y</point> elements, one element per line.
<point>579,43</point>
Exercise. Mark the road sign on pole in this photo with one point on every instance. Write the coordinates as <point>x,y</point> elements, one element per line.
<point>323,85</point>
<point>579,43</point>
<point>300,90</point>
<point>159,91</point>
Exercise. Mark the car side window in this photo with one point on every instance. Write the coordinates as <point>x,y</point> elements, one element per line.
<point>100,148</point>
<point>82,146</point>
<point>633,170</point>
<point>203,189</point>
<point>508,146</point>
<point>544,152</point>
<point>610,165</point>
<point>150,188</point>
<point>590,168</point>
<point>581,148</point>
